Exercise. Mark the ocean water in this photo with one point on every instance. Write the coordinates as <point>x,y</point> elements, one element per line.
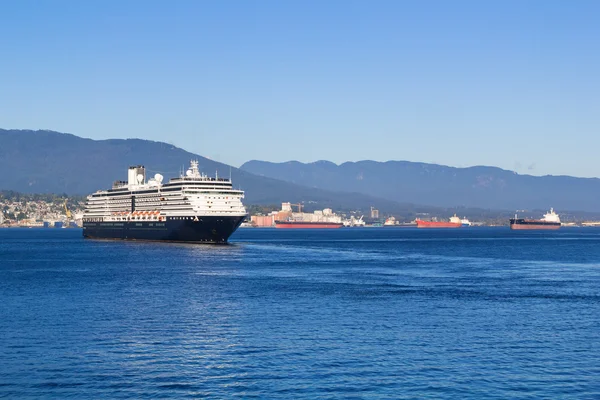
<point>352,313</point>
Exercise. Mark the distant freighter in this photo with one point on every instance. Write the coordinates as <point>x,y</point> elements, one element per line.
<point>191,208</point>
<point>454,222</point>
<point>307,224</point>
<point>550,221</point>
<point>320,219</point>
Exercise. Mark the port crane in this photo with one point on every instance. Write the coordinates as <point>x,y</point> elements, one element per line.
<point>299,205</point>
<point>68,212</point>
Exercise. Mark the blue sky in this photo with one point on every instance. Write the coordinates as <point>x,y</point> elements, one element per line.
<point>513,84</point>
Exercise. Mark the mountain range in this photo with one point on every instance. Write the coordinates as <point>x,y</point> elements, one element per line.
<point>438,185</point>
<point>52,162</point>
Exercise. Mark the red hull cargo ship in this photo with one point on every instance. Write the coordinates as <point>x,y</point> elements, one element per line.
<point>550,221</point>
<point>454,222</point>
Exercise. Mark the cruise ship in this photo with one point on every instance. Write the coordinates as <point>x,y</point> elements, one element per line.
<point>191,208</point>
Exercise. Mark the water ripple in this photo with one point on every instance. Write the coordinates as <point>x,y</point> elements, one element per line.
<point>365,313</point>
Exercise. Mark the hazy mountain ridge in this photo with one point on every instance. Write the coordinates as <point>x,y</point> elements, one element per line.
<point>52,162</point>
<point>440,186</point>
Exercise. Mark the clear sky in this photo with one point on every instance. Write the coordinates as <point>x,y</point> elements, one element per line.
<point>514,84</point>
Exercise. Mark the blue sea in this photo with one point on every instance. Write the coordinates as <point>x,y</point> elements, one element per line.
<point>351,313</point>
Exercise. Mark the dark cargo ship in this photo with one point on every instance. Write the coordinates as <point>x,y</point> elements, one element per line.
<point>192,208</point>
<point>549,221</point>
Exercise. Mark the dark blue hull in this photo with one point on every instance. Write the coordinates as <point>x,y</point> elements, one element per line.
<point>174,229</point>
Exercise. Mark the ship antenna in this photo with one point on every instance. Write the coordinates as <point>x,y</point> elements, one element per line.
<point>230,173</point>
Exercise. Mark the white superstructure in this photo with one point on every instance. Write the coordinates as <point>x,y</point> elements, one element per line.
<point>551,216</point>
<point>191,195</point>
<point>354,221</point>
<point>391,221</point>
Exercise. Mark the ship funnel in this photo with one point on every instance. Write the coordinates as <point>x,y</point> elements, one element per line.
<point>134,173</point>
